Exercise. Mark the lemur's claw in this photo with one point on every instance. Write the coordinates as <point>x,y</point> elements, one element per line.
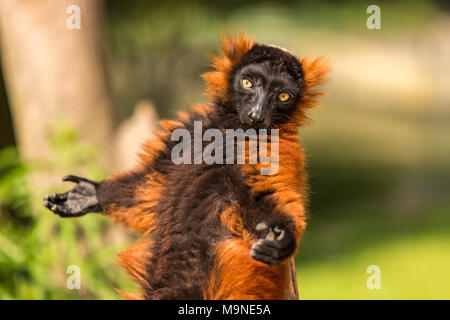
<point>275,247</point>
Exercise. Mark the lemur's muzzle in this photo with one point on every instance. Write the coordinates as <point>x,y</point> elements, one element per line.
<point>258,111</point>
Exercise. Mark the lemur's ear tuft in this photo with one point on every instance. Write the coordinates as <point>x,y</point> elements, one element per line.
<point>234,47</point>
<point>315,73</point>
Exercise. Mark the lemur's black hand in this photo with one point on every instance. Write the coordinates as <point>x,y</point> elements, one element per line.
<point>276,246</point>
<point>76,202</point>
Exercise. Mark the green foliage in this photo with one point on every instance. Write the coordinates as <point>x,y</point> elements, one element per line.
<point>412,267</point>
<point>13,189</point>
<point>36,247</point>
<point>344,238</point>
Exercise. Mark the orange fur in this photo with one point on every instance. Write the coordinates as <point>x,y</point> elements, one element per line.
<point>152,147</point>
<point>315,74</point>
<point>129,296</point>
<point>183,115</point>
<point>237,276</point>
<point>234,47</point>
<point>289,182</point>
<point>202,109</point>
<point>139,217</point>
<point>231,219</point>
<point>134,261</point>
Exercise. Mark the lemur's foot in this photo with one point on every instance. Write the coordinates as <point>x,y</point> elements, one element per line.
<point>276,246</point>
<point>76,202</point>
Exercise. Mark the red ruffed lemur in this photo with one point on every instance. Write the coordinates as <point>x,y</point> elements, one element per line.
<point>216,231</point>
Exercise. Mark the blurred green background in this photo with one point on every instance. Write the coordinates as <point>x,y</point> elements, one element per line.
<point>378,151</point>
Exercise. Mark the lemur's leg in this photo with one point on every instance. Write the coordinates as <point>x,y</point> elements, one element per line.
<point>123,197</point>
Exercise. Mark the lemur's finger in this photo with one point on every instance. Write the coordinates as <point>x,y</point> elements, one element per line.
<point>268,260</point>
<point>72,178</point>
<point>261,226</point>
<point>47,203</point>
<point>50,200</point>
<point>263,258</point>
<point>272,248</point>
<point>56,197</point>
<point>51,203</point>
<point>264,247</point>
<point>76,179</point>
<point>274,232</point>
<point>61,210</point>
<point>279,233</point>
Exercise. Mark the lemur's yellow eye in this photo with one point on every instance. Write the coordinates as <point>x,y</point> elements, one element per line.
<point>283,96</point>
<point>246,83</point>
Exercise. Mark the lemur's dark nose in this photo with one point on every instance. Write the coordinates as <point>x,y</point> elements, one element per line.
<point>256,116</point>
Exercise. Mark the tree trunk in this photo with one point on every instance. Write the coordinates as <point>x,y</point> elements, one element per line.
<point>54,73</point>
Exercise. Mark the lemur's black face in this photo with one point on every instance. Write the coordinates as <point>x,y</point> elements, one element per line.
<point>266,86</point>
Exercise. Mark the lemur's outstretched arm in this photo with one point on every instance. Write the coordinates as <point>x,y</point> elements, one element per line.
<point>117,196</point>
